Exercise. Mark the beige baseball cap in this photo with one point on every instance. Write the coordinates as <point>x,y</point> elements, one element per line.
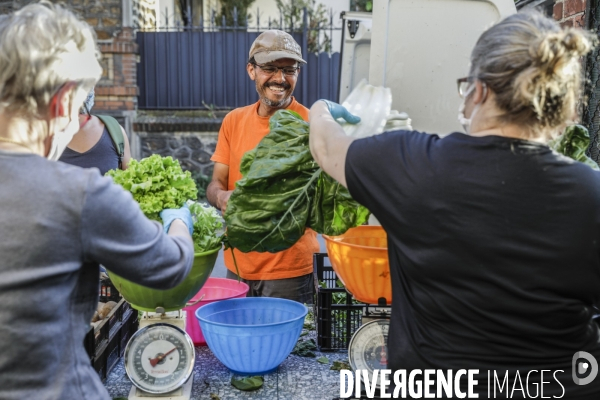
<point>274,45</point>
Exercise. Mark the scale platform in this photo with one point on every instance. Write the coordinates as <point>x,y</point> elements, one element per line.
<point>183,393</point>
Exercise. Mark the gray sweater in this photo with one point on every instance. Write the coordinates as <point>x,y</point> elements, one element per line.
<point>57,223</point>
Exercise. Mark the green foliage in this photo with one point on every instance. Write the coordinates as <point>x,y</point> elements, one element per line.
<point>340,365</point>
<point>574,143</point>
<point>305,348</point>
<point>248,383</point>
<point>156,183</point>
<point>227,11</point>
<point>323,360</point>
<point>202,182</point>
<point>208,227</point>
<point>283,191</point>
<point>362,5</point>
<point>318,19</point>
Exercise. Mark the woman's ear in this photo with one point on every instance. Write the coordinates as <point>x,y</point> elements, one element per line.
<point>480,93</point>
<point>61,101</point>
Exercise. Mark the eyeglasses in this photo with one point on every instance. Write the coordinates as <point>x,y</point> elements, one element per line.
<point>463,85</point>
<point>272,69</point>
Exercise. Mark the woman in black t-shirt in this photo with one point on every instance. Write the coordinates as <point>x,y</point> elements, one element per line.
<point>493,238</point>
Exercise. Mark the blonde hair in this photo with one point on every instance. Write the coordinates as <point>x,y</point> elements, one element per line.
<point>42,47</point>
<point>533,67</point>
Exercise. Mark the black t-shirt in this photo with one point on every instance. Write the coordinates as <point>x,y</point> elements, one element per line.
<point>494,252</point>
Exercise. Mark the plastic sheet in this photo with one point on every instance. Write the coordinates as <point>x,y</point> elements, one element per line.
<point>372,104</point>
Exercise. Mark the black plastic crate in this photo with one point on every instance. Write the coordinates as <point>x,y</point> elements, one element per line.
<point>96,337</point>
<point>337,317</point>
<point>106,343</point>
<point>108,291</point>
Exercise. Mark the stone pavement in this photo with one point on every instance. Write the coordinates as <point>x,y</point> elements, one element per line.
<point>297,378</point>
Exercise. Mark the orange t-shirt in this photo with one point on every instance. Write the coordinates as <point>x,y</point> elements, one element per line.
<point>241,131</point>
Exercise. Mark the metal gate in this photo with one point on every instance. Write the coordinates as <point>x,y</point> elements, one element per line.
<point>591,104</point>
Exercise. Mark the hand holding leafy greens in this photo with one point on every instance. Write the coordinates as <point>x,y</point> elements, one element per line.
<point>159,182</point>
<point>283,191</point>
<point>208,226</point>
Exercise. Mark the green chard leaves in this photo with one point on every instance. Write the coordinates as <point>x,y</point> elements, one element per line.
<point>283,191</point>
<point>248,383</point>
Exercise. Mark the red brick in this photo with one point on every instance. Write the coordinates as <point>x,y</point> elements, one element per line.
<point>573,7</point>
<point>567,24</point>
<point>558,11</point>
<point>579,21</point>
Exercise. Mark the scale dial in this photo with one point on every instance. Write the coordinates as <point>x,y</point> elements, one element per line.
<point>368,346</point>
<point>159,358</point>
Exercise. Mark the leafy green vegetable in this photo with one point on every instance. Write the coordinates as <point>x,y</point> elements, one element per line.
<point>208,226</point>
<point>340,365</point>
<point>305,348</point>
<point>248,383</point>
<point>323,360</point>
<point>283,191</point>
<point>574,143</point>
<point>156,183</point>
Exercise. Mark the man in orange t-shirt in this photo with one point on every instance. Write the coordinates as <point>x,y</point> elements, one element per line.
<point>273,64</point>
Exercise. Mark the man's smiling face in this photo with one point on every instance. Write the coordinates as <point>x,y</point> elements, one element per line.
<point>274,89</point>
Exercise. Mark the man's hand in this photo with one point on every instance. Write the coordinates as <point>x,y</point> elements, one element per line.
<point>169,215</point>
<point>338,111</point>
<point>222,199</point>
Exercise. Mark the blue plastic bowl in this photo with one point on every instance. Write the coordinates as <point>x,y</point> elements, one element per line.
<point>252,335</point>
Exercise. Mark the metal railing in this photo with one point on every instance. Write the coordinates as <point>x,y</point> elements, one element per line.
<point>195,67</point>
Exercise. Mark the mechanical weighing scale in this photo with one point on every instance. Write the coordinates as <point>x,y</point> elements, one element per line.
<point>160,356</point>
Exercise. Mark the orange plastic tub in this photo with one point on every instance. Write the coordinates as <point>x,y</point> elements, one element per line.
<point>359,257</point>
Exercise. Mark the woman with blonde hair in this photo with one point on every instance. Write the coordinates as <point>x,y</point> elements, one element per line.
<point>493,238</point>
<point>59,222</point>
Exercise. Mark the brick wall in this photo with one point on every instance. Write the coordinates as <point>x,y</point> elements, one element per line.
<point>116,92</point>
<point>570,12</point>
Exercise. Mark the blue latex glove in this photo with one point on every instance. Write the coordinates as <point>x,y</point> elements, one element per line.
<point>169,215</point>
<point>339,111</point>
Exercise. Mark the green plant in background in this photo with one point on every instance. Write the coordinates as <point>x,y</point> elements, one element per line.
<point>574,143</point>
<point>227,11</point>
<point>362,5</point>
<point>202,182</point>
<point>211,109</point>
<point>318,20</point>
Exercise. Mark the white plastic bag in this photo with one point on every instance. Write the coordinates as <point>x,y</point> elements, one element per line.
<point>372,104</point>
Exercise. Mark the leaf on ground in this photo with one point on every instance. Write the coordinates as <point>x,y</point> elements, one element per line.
<point>309,326</point>
<point>323,360</point>
<point>214,397</point>
<point>340,365</point>
<point>304,333</point>
<point>248,383</point>
<point>305,348</point>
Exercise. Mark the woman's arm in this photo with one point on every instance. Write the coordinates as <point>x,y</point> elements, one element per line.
<point>328,142</point>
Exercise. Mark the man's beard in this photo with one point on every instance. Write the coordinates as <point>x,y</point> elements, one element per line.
<point>274,103</point>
